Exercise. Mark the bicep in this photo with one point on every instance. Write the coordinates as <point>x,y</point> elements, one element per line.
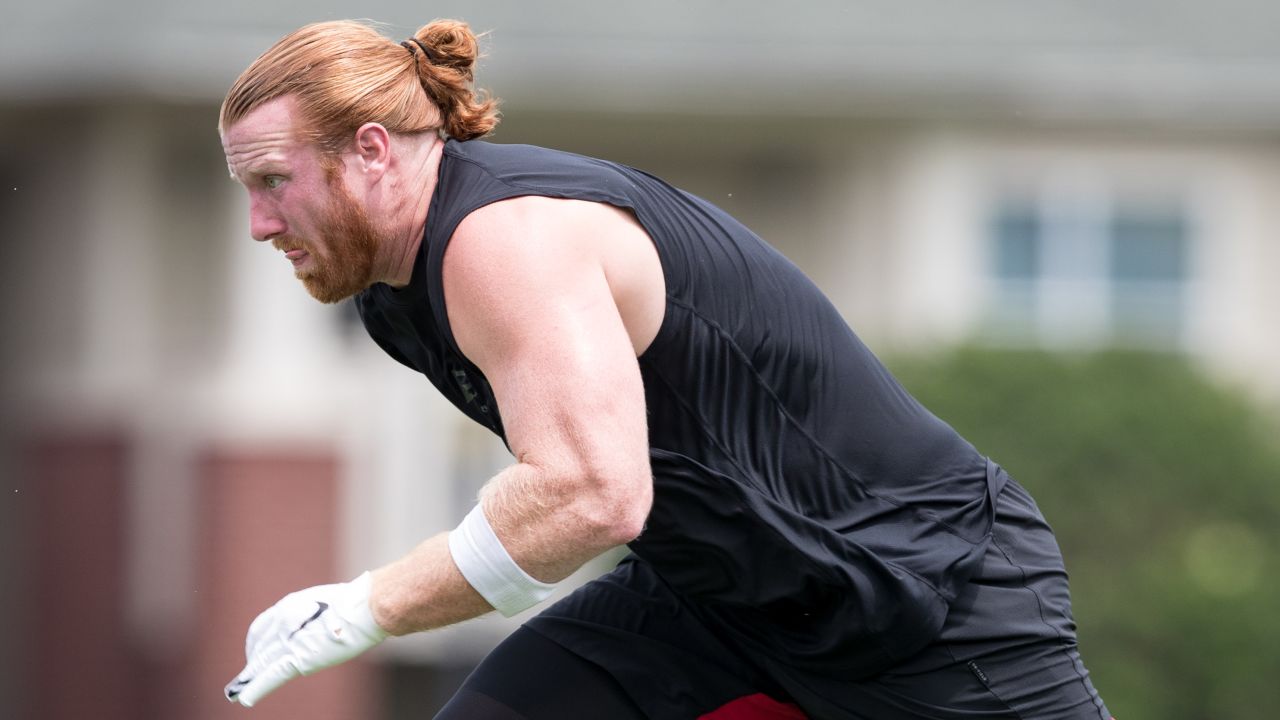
<point>530,305</point>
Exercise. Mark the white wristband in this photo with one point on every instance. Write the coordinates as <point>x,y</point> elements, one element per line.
<point>485,564</point>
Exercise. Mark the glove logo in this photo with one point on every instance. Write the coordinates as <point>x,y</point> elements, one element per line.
<point>323,606</point>
<point>233,689</point>
<point>277,650</point>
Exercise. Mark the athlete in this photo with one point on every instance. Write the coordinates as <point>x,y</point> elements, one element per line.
<point>807,540</point>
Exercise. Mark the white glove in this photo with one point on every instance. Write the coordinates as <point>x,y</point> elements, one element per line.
<point>306,631</point>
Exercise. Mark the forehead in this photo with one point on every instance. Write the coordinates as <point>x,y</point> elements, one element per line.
<point>267,134</point>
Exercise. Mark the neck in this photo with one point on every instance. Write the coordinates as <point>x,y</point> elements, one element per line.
<point>413,187</point>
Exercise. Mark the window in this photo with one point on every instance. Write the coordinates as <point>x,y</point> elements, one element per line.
<point>1087,268</point>
<point>1148,268</point>
<point>1017,234</point>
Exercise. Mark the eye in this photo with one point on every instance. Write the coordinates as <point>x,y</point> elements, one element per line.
<point>273,181</point>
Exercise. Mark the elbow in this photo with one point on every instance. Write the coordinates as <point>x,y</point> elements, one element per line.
<point>616,511</point>
<point>630,520</point>
<point>595,500</point>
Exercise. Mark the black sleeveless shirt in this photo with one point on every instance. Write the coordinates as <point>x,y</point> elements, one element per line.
<point>804,502</point>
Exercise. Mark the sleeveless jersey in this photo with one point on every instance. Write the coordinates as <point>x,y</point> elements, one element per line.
<point>808,507</point>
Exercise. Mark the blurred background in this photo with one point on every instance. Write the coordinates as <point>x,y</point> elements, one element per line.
<point>1058,221</point>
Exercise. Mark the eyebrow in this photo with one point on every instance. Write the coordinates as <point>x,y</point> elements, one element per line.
<point>257,169</point>
<point>263,169</point>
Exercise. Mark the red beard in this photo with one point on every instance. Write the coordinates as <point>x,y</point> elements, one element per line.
<point>350,243</point>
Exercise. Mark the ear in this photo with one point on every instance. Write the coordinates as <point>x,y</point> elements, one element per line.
<point>372,149</point>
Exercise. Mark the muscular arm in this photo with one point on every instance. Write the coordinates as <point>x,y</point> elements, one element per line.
<point>530,303</point>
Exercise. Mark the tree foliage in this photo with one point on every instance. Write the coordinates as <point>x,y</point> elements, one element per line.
<point>1164,491</point>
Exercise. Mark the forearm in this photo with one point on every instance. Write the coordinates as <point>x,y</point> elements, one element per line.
<point>423,590</point>
<point>549,526</point>
<point>552,521</point>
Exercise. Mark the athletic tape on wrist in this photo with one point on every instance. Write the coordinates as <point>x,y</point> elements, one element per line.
<point>485,564</point>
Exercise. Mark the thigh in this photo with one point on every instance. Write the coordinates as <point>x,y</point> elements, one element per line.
<point>1044,681</point>
<point>1009,639</point>
<point>528,677</point>
<point>647,637</point>
<point>1019,595</point>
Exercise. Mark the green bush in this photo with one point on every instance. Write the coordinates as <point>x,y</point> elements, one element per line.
<point>1164,491</point>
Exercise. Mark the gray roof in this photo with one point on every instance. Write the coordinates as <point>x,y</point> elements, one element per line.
<point>1164,60</point>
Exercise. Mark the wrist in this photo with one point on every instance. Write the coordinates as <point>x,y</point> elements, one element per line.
<point>361,611</point>
<point>385,609</point>
<point>480,556</point>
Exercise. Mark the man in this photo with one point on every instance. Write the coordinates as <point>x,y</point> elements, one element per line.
<point>808,541</point>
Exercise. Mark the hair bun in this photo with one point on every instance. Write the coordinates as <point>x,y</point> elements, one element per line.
<point>345,73</point>
<point>452,45</point>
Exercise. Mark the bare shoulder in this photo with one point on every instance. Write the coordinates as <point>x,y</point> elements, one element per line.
<point>547,226</point>
<point>522,253</point>
<point>521,234</point>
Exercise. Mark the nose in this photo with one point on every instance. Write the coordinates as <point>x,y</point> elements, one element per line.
<point>264,223</point>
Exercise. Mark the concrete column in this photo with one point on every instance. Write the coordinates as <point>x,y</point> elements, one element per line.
<point>937,253</point>
<point>1235,303</point>
<point>278,379</point>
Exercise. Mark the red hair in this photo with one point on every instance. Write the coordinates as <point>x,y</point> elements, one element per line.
<point>344,74</point>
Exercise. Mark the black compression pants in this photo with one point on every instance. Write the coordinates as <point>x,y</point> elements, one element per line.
<point>529,677</point>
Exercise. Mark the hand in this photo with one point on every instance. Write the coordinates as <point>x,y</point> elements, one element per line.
<point>306,631</point>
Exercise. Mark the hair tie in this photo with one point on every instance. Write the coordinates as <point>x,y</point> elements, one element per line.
<point>426,51</point>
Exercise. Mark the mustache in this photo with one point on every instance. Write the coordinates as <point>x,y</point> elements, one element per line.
<point>285,243</point>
